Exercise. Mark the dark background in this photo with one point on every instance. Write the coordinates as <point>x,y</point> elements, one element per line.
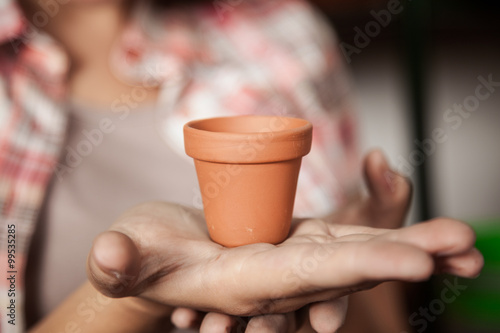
<point>428,58</point>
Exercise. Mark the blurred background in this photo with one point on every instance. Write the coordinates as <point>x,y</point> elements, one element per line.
<point>412,76</point>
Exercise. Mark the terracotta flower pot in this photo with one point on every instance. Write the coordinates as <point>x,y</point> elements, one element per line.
<point>247,169</point>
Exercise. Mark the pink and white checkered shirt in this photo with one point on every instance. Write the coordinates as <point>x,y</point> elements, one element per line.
<point>256,57</point>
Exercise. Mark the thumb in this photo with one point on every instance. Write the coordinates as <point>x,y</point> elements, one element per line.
<point>113,264</point>
<point>390,192</point>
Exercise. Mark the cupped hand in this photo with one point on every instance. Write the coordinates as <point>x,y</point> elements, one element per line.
<point>161,252</point>
<point>385,206</point>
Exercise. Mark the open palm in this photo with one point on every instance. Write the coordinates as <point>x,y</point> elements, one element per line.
<point>162,252</point>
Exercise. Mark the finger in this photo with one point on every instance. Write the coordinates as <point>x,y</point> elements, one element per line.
<point>390,193</point>
<point>216,323</point>
<point>385,185</point>
<point>275,323</point>
<point>328,317</point>
<point>340,266</point>
<point>468,264</point>
<point>113,264</point>
<point>439,236</point>
<point>359,263</point>
<point>186,318</point>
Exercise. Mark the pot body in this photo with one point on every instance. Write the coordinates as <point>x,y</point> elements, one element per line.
<point>247,169</point>
<point>248,203</point>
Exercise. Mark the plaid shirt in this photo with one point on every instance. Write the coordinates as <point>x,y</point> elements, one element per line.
<point>257,57</point>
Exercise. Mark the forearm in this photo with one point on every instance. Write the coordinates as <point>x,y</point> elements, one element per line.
<point>86,310</point>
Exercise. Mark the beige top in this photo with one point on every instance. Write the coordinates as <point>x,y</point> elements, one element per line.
<point>128,165</point>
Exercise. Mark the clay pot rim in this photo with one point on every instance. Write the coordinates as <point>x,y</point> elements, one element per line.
<point>224,146</point>
<point>286,132</point>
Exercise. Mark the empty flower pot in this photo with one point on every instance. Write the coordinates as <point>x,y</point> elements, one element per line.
<point>247,169</point>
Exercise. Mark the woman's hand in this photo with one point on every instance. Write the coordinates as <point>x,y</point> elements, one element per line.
<point>162,253</point>
<point>386,206</point>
